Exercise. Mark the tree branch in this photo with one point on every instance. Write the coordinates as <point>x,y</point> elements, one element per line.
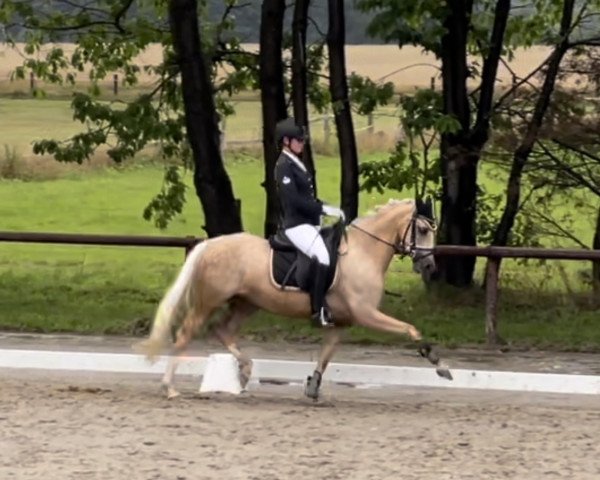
<point>489,72</point>
<point>314,24</point>
<point>562,231</point>
<point>121,13</point>
<point>67,28</point>
<point>228,9</point>
<point>575,149</point>
<point>109,21</point>
<point>588,42</point>
<point>564,167</point>
<point>86,8</point>
<point>520,83</point>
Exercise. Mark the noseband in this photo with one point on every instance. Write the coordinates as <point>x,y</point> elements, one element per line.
<point>403,248</point>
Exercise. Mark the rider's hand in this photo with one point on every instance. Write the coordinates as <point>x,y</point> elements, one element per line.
<point>334,212</point>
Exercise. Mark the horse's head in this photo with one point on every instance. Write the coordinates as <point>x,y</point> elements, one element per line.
<point>418,238</point>
<point>407,226</point>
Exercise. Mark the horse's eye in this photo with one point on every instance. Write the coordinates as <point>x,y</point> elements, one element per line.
<point>423,230</point>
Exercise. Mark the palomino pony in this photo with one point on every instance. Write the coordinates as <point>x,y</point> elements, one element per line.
<point>234,271</point>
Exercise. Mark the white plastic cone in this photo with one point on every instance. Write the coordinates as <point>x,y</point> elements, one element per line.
<point>221,374</point>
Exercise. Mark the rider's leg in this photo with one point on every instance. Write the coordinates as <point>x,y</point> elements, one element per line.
<point>318,289</point>
<point>309,241</point>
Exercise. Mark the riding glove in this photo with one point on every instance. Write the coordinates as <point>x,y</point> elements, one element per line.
<point>334,211</point>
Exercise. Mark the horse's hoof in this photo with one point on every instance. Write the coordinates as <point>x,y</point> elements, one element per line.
<point>444,372</point>
<point>243,379</point>
<point>244,375</point>
<point>313,384</point>
<point>170,392</point>
<point>311,391</point>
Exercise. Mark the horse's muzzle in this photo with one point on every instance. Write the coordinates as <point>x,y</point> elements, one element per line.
<point>425,265</point>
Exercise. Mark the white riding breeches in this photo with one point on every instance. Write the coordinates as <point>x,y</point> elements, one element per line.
<point>308,240</point>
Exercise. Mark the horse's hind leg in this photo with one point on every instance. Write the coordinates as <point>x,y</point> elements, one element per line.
<point>184,335</point>
<point>330,344</point>
<point>227,330</point>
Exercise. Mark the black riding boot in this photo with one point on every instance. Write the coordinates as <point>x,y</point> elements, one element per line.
<point>320,313</point>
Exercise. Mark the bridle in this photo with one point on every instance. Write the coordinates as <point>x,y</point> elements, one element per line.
<point>404,248</point>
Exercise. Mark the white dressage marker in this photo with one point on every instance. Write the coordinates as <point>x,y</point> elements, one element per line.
<point>293,371</point>
<point>221,374</point>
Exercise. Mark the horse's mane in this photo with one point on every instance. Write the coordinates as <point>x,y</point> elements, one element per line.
<point>392,202</point>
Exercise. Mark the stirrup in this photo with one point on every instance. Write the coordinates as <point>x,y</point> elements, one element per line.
<point>323,318</point>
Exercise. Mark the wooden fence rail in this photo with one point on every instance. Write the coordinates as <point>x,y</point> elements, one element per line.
<point>494,254</point>
<point>94,239</point>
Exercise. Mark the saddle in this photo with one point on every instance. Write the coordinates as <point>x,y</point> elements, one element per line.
<point>293,270</point>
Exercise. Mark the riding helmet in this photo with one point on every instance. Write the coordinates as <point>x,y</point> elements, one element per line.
<point>288,128</point>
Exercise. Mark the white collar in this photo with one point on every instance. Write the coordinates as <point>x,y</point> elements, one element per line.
<point>295,159</point>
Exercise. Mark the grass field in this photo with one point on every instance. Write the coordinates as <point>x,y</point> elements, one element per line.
<point>115,290</point>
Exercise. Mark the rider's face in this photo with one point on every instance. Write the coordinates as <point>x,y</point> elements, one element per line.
<point>295,145</point>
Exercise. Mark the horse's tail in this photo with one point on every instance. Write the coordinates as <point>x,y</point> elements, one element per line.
<point>172,308</point>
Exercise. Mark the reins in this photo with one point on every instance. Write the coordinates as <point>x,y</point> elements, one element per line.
<point>389,244</point>
<point>403,249</point>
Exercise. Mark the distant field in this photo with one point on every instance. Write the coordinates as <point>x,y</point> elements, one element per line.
<point>407,68</point>
<point>25,120</point>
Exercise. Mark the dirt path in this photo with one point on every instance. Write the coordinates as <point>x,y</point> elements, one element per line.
<point>55,425</point>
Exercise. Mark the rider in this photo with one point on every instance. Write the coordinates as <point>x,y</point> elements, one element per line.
<point>301,212</point>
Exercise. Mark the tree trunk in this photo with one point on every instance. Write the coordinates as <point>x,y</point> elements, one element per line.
<point>459,208</point>
<point>596,264</point>
<point>459,157</point>
<point>213,187</point>
<point>299,80</point>
<point>273,100</point>
<point>338,87</point>
<point>480,132</point>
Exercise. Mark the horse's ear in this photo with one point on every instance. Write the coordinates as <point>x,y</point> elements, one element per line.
<point>429,207</point>
<point>431,201</point>
<point>425,208</point>
<point>419,204</point>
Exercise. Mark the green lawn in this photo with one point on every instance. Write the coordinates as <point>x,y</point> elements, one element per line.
<point>111,289</point>
<point>115,289</point>
<point>25,120</point>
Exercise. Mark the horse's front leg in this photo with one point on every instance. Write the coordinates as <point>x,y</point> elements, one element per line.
<point>380,321</point>
<point>331,340</point>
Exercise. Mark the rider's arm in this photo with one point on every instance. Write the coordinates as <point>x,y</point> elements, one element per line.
<point>288,190</point>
